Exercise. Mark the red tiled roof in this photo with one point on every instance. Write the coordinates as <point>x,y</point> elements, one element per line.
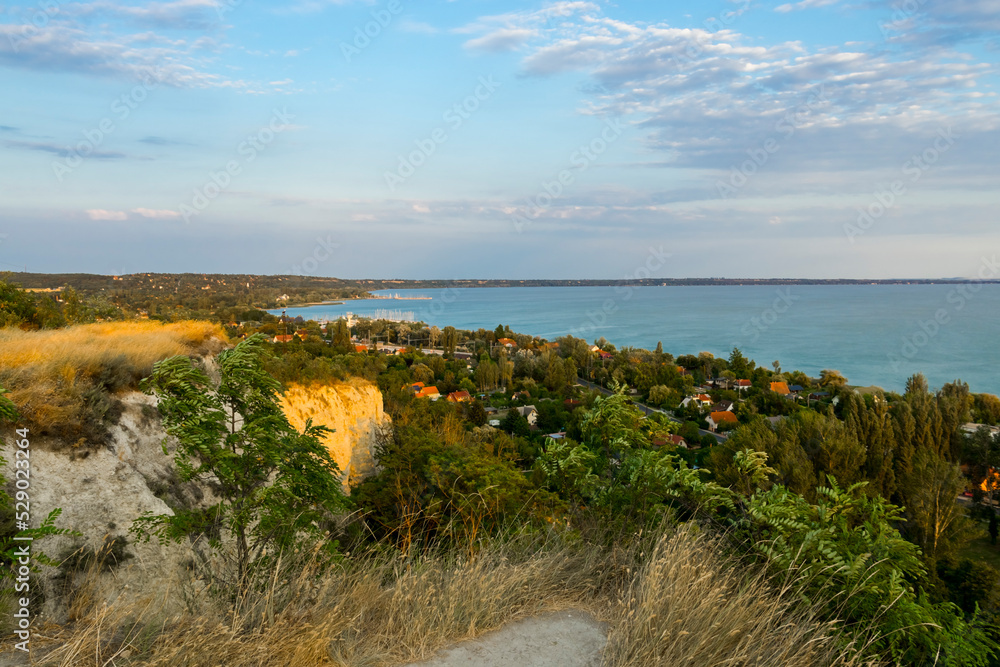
<point>780,388</point>
<point>459,397</point>
<point>719,417</point>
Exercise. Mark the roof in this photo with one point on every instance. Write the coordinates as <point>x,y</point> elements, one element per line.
<point>360,348</point>
<point>676,439</point>
<point>507,341</point>
<point>704,398</point>
<point>726,416</point>
<point>427,392</point>
<point>797,387</point>
<point>459,396</point>
<point>744,383</point>
<point>284,338</point>
<point>780,388</point>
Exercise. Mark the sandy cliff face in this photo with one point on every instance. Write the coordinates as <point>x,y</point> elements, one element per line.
<point>103,490</point>
<point>354,410</point>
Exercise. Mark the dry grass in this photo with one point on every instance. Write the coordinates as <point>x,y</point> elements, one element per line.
<point>60,379</point>
<point>688,607</point>
<point>673,602</point>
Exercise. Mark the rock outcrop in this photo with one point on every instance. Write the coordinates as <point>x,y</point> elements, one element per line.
<point>354,410</point>
<point>102,490</point>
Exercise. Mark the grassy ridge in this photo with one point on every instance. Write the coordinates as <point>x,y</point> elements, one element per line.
<point>63,381</point>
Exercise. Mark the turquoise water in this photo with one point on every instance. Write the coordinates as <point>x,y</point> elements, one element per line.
<point>873,334</point>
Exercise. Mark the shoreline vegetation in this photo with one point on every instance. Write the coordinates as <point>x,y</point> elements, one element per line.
<point>87,282</point>
<point>756,515</point>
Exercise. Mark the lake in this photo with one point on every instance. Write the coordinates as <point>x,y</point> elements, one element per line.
<point>873,334</point>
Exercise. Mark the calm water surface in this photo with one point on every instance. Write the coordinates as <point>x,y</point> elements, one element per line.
<point>873,334</point>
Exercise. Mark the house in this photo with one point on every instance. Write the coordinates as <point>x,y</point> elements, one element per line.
<point>360,348</point>
<point>552,346</point>
<point>507,342</point>
<point>796,389</point>
<point>819,395</point>
<point>491,410</point>
<point>605,355</point>
<point>743,385</point>
<point>683,371</point>
<point>674,440</point>
<point>972,428</point>
<point>429,392</point>
<point>700,400</point>
<point>284,338</point>
<point>781,388</point>
<point>530,413</point>
<point>723,406</point>
<point>717,419</point>
<point>459,397</point>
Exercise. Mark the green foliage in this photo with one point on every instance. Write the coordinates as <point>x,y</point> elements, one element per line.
<point>277,486</point>
<point>568,469</point>
<point>429,489</point>
<point>515,423</point>
<point>17,307</point>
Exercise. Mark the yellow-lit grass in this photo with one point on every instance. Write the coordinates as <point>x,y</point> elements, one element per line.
<point>49,373</point>
<point>676,603</point>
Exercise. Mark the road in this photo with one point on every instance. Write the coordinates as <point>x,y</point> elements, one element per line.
<point>646,409</point>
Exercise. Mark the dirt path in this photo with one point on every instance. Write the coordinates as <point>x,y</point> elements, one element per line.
<point>561,639</point>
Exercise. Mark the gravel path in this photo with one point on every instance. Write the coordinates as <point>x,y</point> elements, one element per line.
<point>561,639</point>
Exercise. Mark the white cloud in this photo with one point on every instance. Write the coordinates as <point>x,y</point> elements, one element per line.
<point>101,214</point>
<point>156,214</point>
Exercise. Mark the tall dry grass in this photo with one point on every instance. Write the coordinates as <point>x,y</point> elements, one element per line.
<point>671,599</point>
<point>689,606</point>
<point>61,379</point>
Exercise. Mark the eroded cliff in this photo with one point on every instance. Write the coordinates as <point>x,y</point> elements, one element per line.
<point>354,410</point>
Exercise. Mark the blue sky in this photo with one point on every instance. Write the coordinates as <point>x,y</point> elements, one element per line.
<point>480,138</point>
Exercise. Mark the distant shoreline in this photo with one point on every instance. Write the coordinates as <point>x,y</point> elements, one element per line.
<point>97,282</point>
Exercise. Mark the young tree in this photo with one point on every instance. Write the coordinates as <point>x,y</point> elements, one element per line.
<point>276,485</point>
<point>449,339</point>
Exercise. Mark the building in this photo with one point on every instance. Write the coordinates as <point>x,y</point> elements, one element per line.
<point>723,406</point>
<point>284,338</point>
<point>699,400</point>
<point>717,419</point>
<point>781,388</point>
<point>459,397</point>
<point>507,342</point>
<point>743,385</point>
<point>530,413</point>
<point>429,392</point>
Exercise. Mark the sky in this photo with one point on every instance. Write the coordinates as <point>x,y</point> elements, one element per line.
<point>501,139</point>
